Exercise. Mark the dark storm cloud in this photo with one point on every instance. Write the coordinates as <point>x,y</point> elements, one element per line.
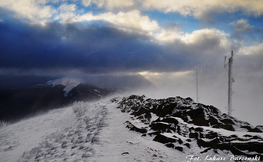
<point>60,50</point>
<point>96,48</point>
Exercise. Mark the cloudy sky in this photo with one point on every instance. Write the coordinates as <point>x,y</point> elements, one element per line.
<point>164,41</point>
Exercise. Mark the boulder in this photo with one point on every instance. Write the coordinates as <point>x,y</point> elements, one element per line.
<point>134,128</point>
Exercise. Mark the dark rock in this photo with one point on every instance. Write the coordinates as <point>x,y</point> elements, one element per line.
<point>247,135</point>
<point>213,121</point>
<point>168,109</point>
<point>125,153</point>
<point>179,148</point>
<point>257,137</point>
<point>170,120</point>
<point>178,114</point>
<point>179,140</point>
<point>198,115</point>
<point>250,146</point>
<point>170,145</point>
<point>134,128</point>
<point>153,133</point>
<point>194,135</point>
<point>163,139</point>
<point>211,135</point>
<point>145,117</point>
<point>187,145</point>
<point>228,127</point>
<point>207,143</point>
<point>139,111</point>
<point>161,127</point>
<point>199,129</point>
<point>200,120</point>
<point>248,128</point>
<point>228,121</point>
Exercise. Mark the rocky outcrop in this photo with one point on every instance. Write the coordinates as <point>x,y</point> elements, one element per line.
<point>180,123</point>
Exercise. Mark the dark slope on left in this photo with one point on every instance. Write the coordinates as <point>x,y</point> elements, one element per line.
<point>19,103</point>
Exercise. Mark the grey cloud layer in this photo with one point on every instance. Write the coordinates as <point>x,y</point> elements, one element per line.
<point>97,48</point>
<point>101,48</point>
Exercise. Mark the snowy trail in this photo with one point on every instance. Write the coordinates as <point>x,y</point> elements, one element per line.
<point>96,134</point>
<point>118,144</point>
<point>59,135</point>
<point>74,143</point>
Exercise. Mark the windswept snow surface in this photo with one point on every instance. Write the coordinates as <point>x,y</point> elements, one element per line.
<point>118,144</point>
<point>18,138</point>
<point>95,132</point>
<point>85,132</point>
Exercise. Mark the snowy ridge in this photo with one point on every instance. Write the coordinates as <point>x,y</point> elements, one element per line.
<point>100,132</point>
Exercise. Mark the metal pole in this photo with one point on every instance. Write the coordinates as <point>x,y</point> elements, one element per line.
<point>230,81</point>
<point>196,85</point>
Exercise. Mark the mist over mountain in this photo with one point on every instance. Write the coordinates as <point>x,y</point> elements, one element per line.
<point>23,102</point>
<point>103,81</point>
<point>124,82</point>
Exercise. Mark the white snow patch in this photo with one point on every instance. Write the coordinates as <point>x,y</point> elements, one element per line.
<point>95,90</point>
<point>154,117</point>
<point>67,82</point>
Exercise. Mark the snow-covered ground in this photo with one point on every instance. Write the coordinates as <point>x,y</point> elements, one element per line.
<point>20,137</point>
<point>84,132</point>
<point>62,135</point>
<point>118,144</point>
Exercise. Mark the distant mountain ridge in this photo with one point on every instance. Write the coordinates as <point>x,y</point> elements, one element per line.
<point>67,82</point>
<point>181,124</point>
<point>19,103</point>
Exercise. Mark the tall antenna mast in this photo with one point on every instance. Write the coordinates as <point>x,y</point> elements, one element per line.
<point>197,85</point>
<point>230,81</point>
